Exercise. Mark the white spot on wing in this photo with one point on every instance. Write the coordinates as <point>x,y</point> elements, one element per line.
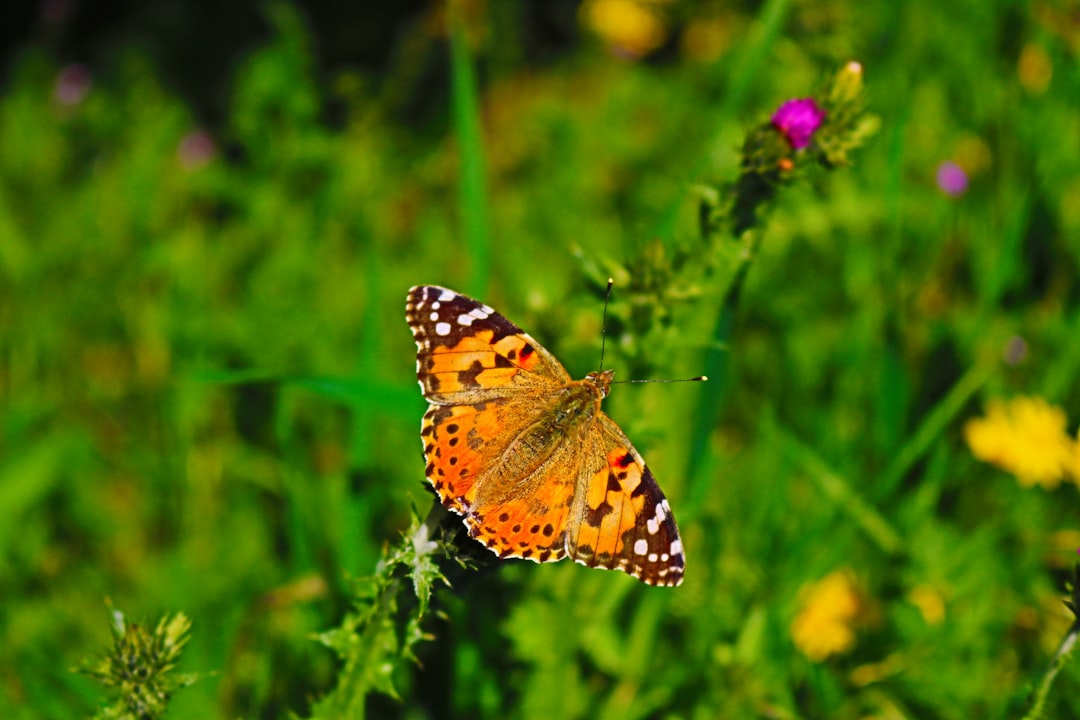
<point>676,547</point>
<point>465,320</point>
<point>435,305</point>
<point>641,547</point>
<point>442,328</point>
<point>433,316</point>
<point>447,295</point>
<point>652,525</point>
<point>660,513</point>
<point>652,557</point>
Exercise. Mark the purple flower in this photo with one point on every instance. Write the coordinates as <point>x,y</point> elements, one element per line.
<point>798,120</point>
<point>952,179</point>
<point>196,149</point>
<point>72,84</point>
<point>1015,350</point>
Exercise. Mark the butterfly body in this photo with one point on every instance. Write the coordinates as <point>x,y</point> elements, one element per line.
<point>525,453</point>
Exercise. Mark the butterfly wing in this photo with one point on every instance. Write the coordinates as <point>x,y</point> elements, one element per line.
<point>468,353</point>
<point>481,375</point>
<point>621,519</point>
<point>528,518</point>
<point>462,445</point>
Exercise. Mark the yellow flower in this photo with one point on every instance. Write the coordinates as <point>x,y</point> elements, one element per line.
<point>1035,69</point>
<point>1025,436</point>
<point>930,603</point>
<point>632,27</point>
<point>828,611</point>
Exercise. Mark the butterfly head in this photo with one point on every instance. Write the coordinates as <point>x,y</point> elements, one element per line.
<point>602,380</point>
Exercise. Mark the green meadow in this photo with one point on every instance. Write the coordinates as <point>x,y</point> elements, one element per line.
<point>208,395</point>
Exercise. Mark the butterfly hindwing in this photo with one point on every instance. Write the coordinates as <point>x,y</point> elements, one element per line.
<point>623,521</point>
<point>527,526</point>
<point>453,462</point>
<point>466,450</point>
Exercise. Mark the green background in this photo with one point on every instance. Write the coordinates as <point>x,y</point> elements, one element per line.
<point>207,390</point>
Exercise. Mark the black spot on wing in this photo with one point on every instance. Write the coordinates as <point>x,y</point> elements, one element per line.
<point>595,517</point>
<point>468,378</point>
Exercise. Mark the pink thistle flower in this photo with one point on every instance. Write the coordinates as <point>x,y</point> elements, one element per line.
<point>798,120</point>
<point>951,179</point>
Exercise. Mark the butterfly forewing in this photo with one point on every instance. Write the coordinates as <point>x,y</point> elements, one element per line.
<point>525,454</point>
<point>467,352</point>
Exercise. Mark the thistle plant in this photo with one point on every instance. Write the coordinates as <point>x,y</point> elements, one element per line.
<point>1066,651</point>
<point>822,130</point>
<point>379,635</point>
<point>140,666</point>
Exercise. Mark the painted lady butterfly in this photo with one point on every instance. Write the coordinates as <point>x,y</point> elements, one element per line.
<point>525,454</point>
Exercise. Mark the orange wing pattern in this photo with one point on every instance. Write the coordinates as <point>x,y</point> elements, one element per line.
<point>467,353</point>
<point>525,454</point>
<point>623,521</point>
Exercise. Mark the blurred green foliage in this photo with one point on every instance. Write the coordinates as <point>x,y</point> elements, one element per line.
<point>207,394</point>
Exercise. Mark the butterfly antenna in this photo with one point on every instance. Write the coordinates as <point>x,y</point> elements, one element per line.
<point>603,344</point>
<point>603,326</point>
<point>699,378</point>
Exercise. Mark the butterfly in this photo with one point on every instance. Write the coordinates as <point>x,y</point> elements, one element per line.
<point>525,454</point>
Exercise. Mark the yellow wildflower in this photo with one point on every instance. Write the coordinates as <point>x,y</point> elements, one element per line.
<point>828,611</point>
<point>930,603</point>
<point>631,27</point>
<point>1035,68</point>
<point>1025,436</point>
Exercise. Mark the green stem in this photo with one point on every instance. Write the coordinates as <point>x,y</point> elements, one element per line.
<point>717,363</point>
<point>1064,653</point>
